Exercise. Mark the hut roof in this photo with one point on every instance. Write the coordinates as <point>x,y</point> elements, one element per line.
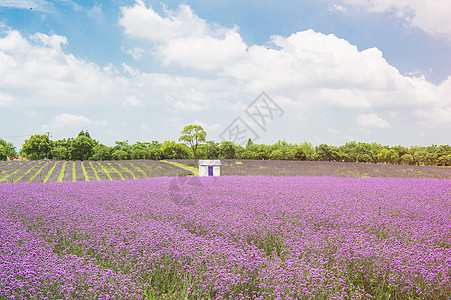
<point>209,162</point>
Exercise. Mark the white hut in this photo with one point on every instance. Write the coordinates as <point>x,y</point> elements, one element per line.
<point>209,168</point>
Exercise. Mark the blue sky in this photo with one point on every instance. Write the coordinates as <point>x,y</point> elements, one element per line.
<point>339,70</point>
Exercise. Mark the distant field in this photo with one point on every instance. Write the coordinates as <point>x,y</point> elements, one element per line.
<point>66,171</point>
<point>320,168</point>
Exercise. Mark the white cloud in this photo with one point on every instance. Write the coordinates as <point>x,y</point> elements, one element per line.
<point>96,12</point>
<point>307,72</point>
<point>140,21</point>
<point>183,38</point>
<point>75,121</point>
<point>432,17</point>
<point>435,115</point>
<point>204,53</point>
<point>309,68</point>
<point>372,121</point>
<point>135,52</point>
<point>39,74</point>
<point>208,127</point>
<point>132,101</point>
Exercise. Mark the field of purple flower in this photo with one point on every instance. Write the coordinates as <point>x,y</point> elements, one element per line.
<point>227,238</point>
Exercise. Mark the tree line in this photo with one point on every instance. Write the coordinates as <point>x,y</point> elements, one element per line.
<point>193,144</point>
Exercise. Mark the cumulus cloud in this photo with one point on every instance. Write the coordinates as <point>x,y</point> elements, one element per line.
<point>75,121</point>
<point>302,71</point>
<point>204,53</point>
<point>372,121</point>
<point>39,73</point>
<point>306,66</point>
<point>143,22</point>
<point>183,38</point>
<point>430,16</point>
<point>135,52</point>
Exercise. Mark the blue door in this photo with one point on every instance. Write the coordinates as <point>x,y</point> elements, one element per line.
<point>210,170</point>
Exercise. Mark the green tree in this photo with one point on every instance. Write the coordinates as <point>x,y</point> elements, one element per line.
<point>193,135</point>
<point>7,149</point>
<point>401,150</point>
<point>82,133</point>
<point>249,155</point>
<point>388,156</point>
<point>81,148</point>
<point>139,150</point>
<point>327,152</point>
<point>227,151</point>
<point>154,153</point>
<point>101,152</point>
<point>119,155</point>
<point>349,151</point>
<point>239,151</point>
<point>249,143</point>
<point>276,155</point>
<point>60,152</point>
<point>124,146</point>
<point>407,159</point>
<point>287,149</point>
<point>444,160</point>
<point>309,151</point>
<point>418,153</point>
<point>37,146</point>
<point>173,150</point>
<point>299,153</point>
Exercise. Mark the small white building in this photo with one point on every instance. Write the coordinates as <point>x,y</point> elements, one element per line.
<point>209,168</point>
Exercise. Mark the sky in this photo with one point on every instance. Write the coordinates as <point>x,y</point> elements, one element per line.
<point>324,71</point>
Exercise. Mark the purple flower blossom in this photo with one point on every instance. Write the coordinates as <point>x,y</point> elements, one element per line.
<point>242,238</point>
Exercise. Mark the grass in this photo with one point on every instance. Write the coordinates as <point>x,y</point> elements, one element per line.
<point>138,169</point>
<point>105,170</point>
<point>38,172</point>
<point>11,174</point>
<point>128,170</point>
<point>61,175</point>
<point>95,171</point>
<point>183,166</point>
<point>49,173</point>
<point>28,171</point>
<point>114,170</point>
<point>84,172</point>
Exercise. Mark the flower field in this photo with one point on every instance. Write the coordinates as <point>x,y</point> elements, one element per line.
<point>226,238</point>
<point>243,167</point>
<point>67,171</point>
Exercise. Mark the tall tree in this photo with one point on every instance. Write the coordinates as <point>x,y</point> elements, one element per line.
<point>37,146</point>
<point>81,147</point>
<point>101,152</point>
<point>7,149</point>
<point>227,150</point>
<point>193,135</point>
<point>60,152</point>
